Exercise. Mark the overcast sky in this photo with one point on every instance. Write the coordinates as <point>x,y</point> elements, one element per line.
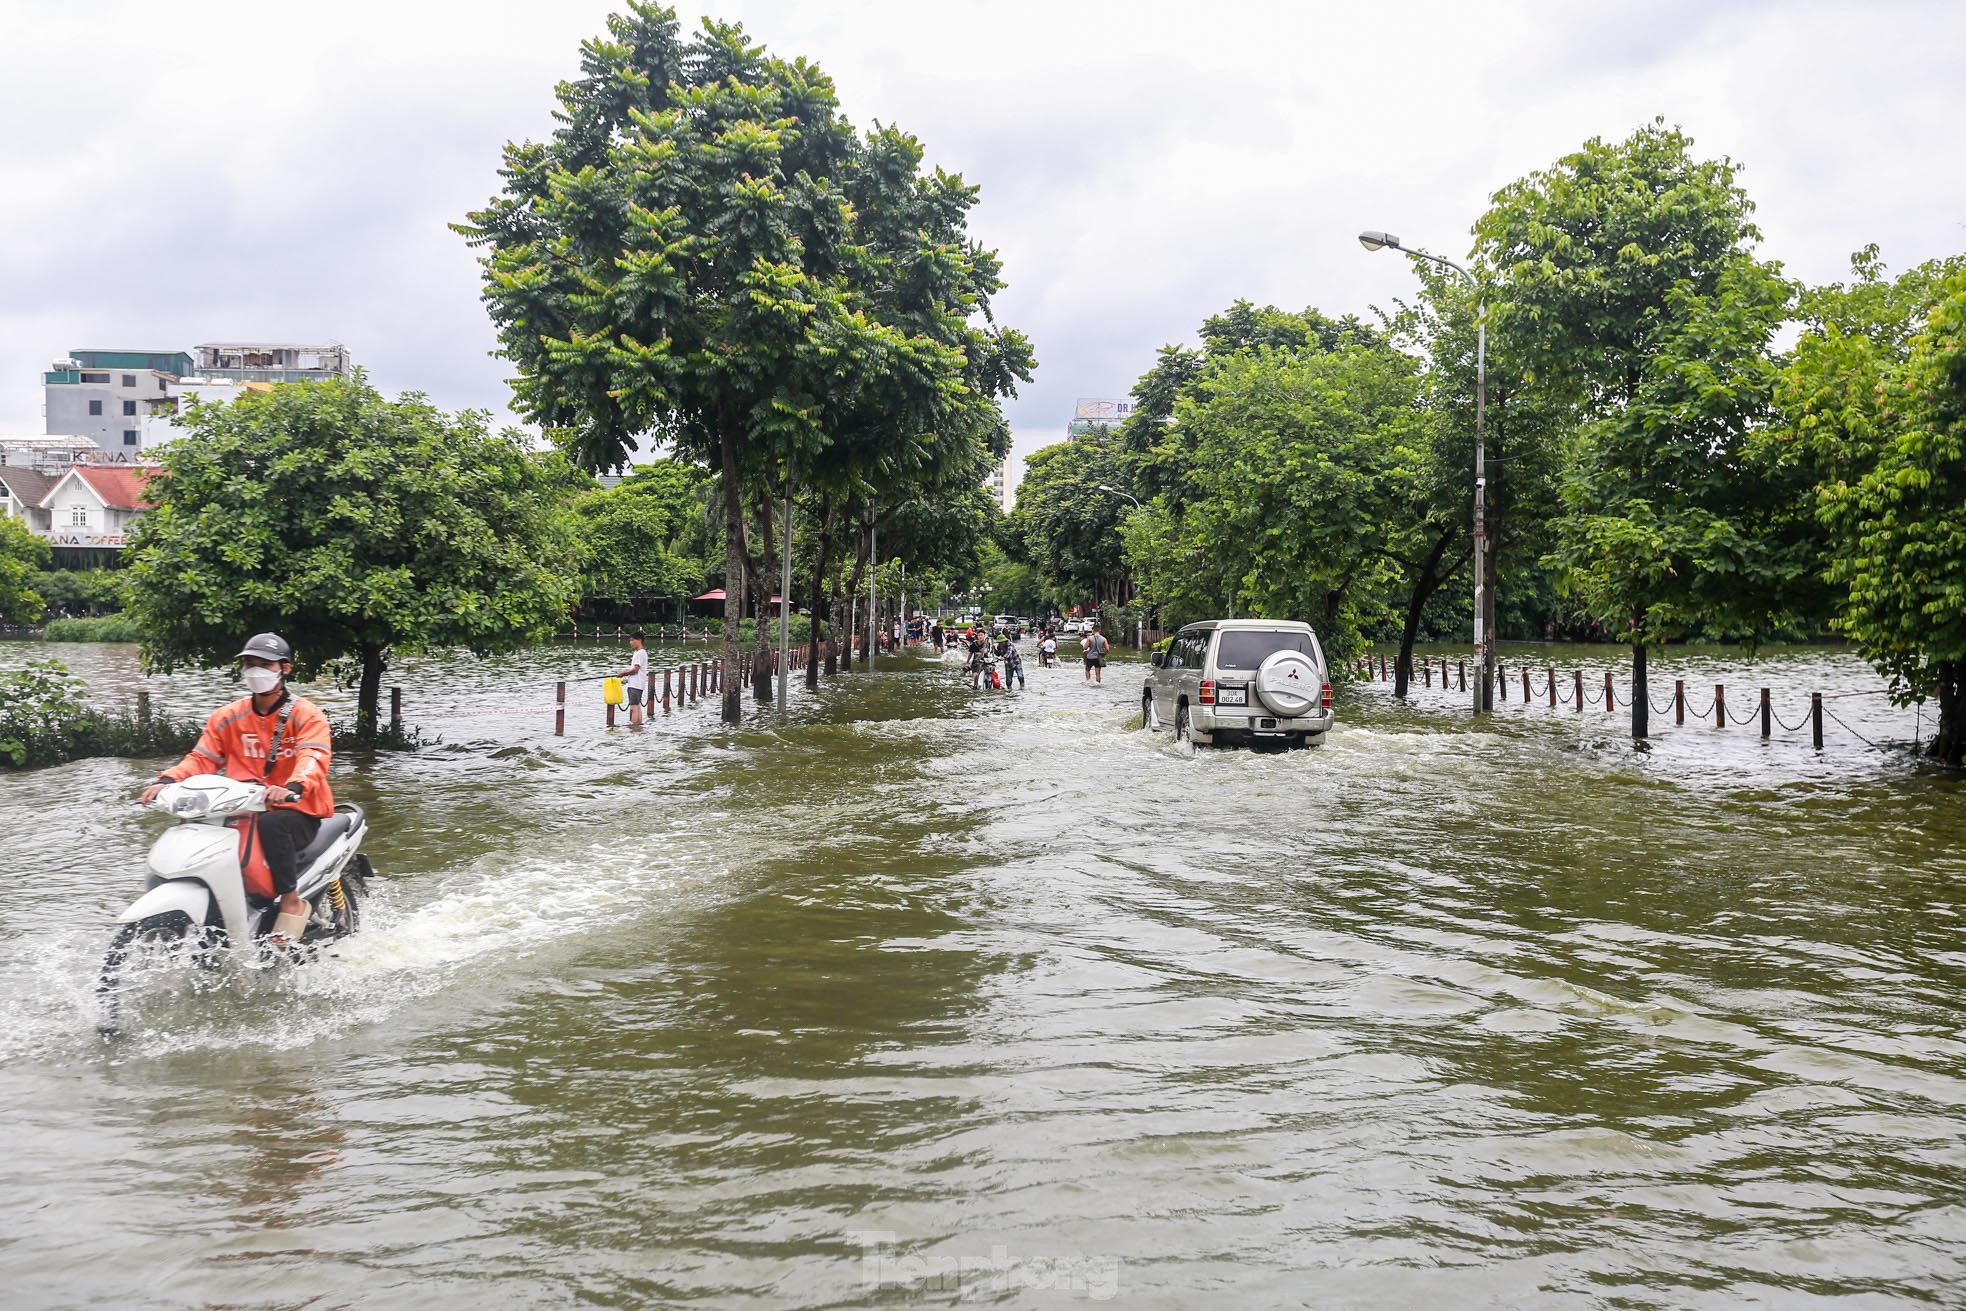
<point>170,174</point>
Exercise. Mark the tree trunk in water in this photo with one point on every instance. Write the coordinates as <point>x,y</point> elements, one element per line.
<point>736,560</point>
<point>821,558</point>
<point>368,703</point>
<point>832,635</point>
<point>763,667</point>
<point>1641,697</point>
<point>854,594</point>
<point>1949,743</point>
<point>1425,585</point>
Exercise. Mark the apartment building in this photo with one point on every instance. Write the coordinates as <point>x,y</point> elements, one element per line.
<point>111,396</point>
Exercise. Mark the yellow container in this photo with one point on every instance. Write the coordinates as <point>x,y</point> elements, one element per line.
<point>612,694</point>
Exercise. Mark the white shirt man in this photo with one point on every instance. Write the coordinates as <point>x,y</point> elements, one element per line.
<point>635,678</point>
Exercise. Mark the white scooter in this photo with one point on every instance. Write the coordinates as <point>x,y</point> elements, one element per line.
<point>196,895</point>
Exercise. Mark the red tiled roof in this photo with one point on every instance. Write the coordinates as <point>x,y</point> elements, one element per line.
<point>120,488</point>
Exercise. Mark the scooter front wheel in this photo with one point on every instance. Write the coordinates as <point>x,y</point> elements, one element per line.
<point>165,932</point>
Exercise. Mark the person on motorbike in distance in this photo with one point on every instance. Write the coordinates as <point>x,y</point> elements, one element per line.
<point>236,741</point>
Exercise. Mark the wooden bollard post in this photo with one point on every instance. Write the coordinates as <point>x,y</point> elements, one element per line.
<point>1719,706</point>
<point>1501,681</point>
<point>1679,701</point>
<point>1428,667</point>
<point>1610,701</point>
<point>143,705</point>
<point>695,681</point>
<point>1766,715</point>
<point>1552,687</point>
<point>1580,687</point>
<point>1462,684</point>
<point>665,690</point>
<point>1525,685</point>
<point>1816,719</point>
<point>560,711</point>
<point>396,711</point>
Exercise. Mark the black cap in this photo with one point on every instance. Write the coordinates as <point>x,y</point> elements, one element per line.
<point>267,646</point>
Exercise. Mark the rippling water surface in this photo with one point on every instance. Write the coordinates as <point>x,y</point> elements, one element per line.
<point>913,995</point>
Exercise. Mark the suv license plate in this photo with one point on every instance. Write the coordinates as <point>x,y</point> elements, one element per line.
<point>1232,696</point>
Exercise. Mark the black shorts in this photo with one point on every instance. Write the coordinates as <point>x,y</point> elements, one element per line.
<point>1095,662</point>
<point>634,695</point>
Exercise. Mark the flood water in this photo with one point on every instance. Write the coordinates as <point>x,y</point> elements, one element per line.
<point>912,995</point>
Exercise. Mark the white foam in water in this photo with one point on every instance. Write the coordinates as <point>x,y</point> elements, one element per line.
<point>405,951</point>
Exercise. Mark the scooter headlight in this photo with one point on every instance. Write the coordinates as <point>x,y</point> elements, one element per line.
<point>191,805</point>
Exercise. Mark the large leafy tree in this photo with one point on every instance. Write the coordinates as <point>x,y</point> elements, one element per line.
<point>698,253</point>
<point>1629,286</point>
<point>21,555</point>
<point>354,526</point>
<point>667,263</point>
<point>908,447</point>
<point>1894,499</point>
<point>1301,465</point>
<point>1830,400</point>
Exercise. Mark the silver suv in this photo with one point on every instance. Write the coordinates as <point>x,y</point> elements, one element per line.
<point>1241,680</point>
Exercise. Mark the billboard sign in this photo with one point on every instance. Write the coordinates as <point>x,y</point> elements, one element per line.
<point>1091,414</point>
<point>1098,411</point>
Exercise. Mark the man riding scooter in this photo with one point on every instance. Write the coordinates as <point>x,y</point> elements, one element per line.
<point>273,737</point>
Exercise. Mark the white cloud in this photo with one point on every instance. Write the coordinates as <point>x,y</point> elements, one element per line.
<point>170,175</point>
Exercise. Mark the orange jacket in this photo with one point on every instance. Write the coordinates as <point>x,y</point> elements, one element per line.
<point>235,742</point>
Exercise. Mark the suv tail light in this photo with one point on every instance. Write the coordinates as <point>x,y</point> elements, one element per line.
<point>1207,691</point>
<point>1324,698</point>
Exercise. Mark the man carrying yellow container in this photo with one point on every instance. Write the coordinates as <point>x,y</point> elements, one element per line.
<point>635,678</point>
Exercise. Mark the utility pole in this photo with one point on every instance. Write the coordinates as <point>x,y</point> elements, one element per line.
<point>1484,592</point>
<point>785,603</point>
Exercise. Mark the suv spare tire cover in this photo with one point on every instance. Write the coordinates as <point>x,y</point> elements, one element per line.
<point>1288,683</point>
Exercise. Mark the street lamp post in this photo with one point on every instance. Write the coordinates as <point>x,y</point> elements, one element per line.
<point>1139,620</point>
<point>1484,617</point>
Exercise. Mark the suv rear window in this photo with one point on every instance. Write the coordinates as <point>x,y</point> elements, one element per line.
<point>1245,649</point>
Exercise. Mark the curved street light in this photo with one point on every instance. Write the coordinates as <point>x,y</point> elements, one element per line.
<point>1139,620</point>
<point>1484,618</point>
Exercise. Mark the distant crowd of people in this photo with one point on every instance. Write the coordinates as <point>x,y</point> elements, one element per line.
<point>993,659</point>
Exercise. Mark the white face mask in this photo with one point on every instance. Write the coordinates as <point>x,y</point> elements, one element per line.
<point>260,681</point>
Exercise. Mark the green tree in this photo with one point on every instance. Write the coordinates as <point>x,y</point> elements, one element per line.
<point>81,591</point>
<point>643,537</point>
<point>1303,464</point>
<point>1628,283</point>
<point>1830,399</point>
<point>686,258</point>
<point>905,451</point>
<point>354,526</point>
<point>667,264</point>
<point>1896,508</point>
<point>21,554</point>
<point>1068,527</point>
